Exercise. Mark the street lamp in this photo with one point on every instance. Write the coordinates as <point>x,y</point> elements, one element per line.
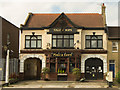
<point>7,68</point>
<point>6,48</point>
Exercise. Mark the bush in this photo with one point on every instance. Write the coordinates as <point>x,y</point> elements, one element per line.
<point>118,77</point>
<point>45,70</point>
<point>13,78</point>
<point>76,72</point>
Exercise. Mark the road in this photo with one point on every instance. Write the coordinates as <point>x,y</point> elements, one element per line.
<point>60,89</point>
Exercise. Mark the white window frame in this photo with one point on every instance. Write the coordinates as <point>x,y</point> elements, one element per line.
<point>114,46</point>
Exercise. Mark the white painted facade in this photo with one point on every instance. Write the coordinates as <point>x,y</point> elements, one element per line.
<point>103,57</point>
<point>23,57</point>
<point>47,38</point>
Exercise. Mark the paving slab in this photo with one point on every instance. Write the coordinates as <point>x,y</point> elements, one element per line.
<point>58,84</point>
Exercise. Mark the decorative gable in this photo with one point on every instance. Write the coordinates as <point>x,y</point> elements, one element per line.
<point>62,22</point>
<point>62,25</point>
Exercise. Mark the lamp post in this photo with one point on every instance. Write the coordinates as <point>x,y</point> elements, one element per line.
<point>7,64</point>
<point>7,68</point>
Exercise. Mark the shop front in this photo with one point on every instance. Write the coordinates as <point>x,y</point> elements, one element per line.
<point>61,64</point>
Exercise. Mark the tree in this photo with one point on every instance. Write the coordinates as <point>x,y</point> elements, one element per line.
<point>76,72</point>
<point>118,77</point>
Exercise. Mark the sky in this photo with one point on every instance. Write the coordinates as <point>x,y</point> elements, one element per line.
<point>16,11</point>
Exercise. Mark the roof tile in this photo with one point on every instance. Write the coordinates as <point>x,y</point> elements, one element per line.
<point>80,19</point>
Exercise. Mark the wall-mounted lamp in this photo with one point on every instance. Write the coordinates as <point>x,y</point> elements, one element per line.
<point>33,33</point>
<point>48,45</point>
<point>77,41</point>
<point>94,33</point>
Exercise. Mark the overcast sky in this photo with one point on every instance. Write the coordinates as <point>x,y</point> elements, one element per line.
<point>16,11</point>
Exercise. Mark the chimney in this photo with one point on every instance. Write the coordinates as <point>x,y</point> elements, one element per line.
<point>103,14</point>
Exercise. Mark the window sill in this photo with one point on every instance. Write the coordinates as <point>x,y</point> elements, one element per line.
<point>32,48</point>
<point>93,48</point>
<point>115,51</point>
<point>63,48</point>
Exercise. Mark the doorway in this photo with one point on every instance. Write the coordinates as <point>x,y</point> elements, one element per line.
<point>94,69</point>
<point>32,68</point>
<point>112,67</point>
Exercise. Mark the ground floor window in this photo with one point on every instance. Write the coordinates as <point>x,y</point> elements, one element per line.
<point>62,65</point>
<point>52,67</point>
<point>72,66</point>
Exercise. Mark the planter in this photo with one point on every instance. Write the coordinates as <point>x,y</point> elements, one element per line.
<point>76,72</point>
<point>45,71</point>
<point>12,81</point>
<point>46,77</point>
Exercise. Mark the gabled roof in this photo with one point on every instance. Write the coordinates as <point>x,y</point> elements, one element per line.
<point>64,20</point>
<point>80,19</point>
<point>114,32</point>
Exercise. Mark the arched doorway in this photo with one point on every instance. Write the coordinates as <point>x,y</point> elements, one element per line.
<point>32,68</point>
<point>94,69</point>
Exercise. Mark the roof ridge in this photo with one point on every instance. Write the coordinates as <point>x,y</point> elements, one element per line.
<point>66,13</point>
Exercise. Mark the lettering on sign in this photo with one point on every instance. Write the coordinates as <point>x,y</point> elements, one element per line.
<point>62,54</point>
<point>59,30</point>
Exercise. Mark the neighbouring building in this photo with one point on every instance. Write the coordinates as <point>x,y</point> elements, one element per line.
<point>114,49</point>
<point>62,42</point>
<point>9,39</point>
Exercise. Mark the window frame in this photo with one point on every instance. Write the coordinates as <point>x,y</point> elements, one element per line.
<point>72,66</point>
<point>35,40</point>
<point>112,46</point>
<point>63,39</point>
<point>90,40</point>
<point>54,67</point>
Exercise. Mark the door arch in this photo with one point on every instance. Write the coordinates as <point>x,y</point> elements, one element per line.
<point>94,69</point>
<point>32,68</point>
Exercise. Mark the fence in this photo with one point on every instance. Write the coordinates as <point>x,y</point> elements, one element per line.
<point>13,67</point>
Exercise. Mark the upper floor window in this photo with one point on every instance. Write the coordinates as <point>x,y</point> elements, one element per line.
<point>94,41</point>
<point>33,42</point>
<point>62,41</point>
<point>114,46</point>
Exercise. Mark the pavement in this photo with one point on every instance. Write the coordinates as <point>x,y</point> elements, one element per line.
<point>2,82</point>
<point>59,84</point>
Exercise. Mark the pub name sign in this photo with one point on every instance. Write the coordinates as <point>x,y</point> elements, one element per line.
<point>60,30</point>
<point>70,30</point>
<point>62,54</point>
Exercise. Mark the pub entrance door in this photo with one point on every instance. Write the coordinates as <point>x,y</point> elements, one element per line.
<point>32,68</point>
<point>62,69</point>
<point>94,69</point>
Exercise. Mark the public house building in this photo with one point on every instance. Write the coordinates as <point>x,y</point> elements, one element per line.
<point>62,42</point>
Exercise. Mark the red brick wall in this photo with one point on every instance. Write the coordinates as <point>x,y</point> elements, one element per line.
<point>53,76</point>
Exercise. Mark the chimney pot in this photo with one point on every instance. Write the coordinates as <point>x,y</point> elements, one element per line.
<point>103,4</point>
<point>103,14</point>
